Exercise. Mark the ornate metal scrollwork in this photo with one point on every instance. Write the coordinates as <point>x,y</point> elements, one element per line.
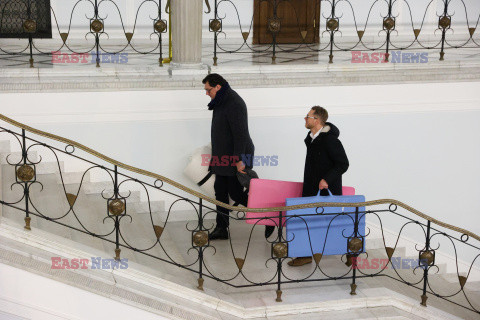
<point>208,7</point>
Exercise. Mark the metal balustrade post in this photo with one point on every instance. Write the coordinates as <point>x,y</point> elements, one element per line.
<point>331,25</point>
<point>353,285</point>
<point>280,256</point>
<point>200,251</point>
<point>30,38</point>
<point>26,190</point>
<point>117,220</point>
<point>425,266</point>
<point>97,38</point>
<point>160,60</point>
<point>444,23</point>
<point>274,34</point>
<point>215,36</point>
<point>387,24</point>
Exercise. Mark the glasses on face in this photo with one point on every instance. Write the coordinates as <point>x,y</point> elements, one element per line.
<point>307,116</point>
<point>208,90</point>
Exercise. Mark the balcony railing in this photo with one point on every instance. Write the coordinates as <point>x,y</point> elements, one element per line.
<point>97,19</point>
<point>105,29</point>
<point>29,191</point>
<point>388,25</point>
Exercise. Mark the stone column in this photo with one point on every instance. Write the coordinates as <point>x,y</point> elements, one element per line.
<point>187,34</point>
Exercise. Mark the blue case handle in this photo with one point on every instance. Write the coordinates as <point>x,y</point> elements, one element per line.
<point>329,192</point>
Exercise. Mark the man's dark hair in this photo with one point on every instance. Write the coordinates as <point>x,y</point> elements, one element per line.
<point>320,113</point>
<point>214,79</point>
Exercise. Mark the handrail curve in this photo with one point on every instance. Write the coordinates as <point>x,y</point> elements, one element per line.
<point>222,204</point>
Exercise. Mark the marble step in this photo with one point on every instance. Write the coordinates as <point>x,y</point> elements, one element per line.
<point>329,300</point>
<point>41,168</point>
<point>105,187</point>
<point>16,157</point>
<point>144,208</point>
<point>71,177</point>
<point>5,147</point>
<point>469,286</point>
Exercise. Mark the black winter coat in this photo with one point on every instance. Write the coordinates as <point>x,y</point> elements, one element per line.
<point>326,159</point>
<point>229,133</point>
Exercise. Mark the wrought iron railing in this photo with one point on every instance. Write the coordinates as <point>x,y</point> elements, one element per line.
<point>328,27</point>
<point>25,173</point>
<point>332,23</point>
<point>96,21</point>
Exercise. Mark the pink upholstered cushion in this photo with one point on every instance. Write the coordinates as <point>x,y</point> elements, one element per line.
<point>272,193</point>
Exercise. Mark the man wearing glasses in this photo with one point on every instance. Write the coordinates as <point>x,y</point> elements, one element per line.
<point>232,147</point>
<point>325,162</point>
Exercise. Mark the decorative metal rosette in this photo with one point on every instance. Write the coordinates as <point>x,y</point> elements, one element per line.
<point>30,26</point>
<point>280,250</point>
<point>355,244</point>
<point>274,25</point>
<point>389,24</point>
<point>215,25</point>
<point>200,238</point>
<point>116,207</point>
<point>333,24</point>
<point>96,25</point>
<point>160,26</point>
<point>445,22</point>
<point>426,257</point>
<point>25,173</point>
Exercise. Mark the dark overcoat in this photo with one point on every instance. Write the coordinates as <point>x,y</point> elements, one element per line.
<point>229,133</point>
<point>326,159</point>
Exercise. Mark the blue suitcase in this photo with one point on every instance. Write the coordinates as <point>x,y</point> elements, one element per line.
<point>305,241</point>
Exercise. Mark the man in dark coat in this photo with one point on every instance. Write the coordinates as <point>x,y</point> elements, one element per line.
<point>325,162</point>
<point>232,147</point>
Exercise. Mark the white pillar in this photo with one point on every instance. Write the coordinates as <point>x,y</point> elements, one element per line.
<point>187,34</point>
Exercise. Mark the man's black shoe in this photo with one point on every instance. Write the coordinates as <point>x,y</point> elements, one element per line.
<point>218,233</point>
<point>268,231</point>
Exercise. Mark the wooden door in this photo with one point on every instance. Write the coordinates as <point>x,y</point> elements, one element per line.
<point>298,19</point>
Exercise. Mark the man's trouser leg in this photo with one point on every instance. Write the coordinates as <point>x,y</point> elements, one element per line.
<point>221,194</point>
<point>225,186</point>
<point>235,190</point>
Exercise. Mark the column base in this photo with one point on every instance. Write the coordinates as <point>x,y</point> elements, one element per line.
<point>188,69</point>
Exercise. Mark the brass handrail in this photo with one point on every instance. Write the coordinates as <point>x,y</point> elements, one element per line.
<point>227,206</point>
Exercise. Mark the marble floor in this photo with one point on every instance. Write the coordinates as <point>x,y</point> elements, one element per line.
<point>243,68</point>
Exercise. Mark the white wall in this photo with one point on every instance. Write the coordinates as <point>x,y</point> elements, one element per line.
<point>52,300</point>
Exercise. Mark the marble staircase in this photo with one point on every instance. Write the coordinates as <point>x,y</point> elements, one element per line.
<point>156,286</point>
